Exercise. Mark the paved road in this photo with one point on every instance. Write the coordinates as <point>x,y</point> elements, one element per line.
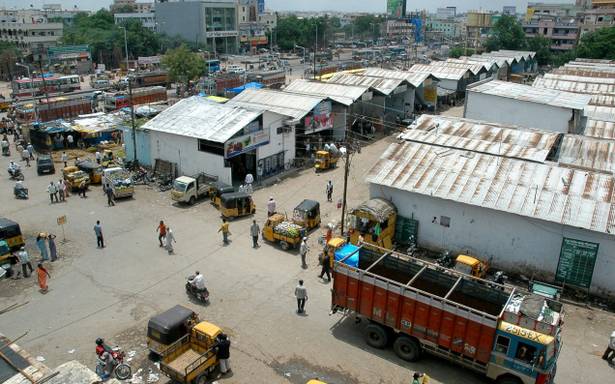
<point>111,293</point>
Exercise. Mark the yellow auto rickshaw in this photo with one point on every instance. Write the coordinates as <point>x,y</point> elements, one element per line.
<point>236,204</point>
<point>471,266</point>
<point>93,170</point>
<point>217,189</point>
<point>5,251</point>
<point>108,160</point>
<point>11,233</point>
<point>325,160</point>
<point>73,177</point>
<point>307,214</point>
<point>169,326</point>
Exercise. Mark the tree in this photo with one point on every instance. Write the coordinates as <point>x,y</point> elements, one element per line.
<point>507,33</point>
<point>183,65</point>
<point>9,55</point>
<point>598,44</point>
<point>542,46</point>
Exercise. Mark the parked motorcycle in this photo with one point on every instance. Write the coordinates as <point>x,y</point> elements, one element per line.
<point>445,260</point>
<point>412,248</point>
<point>20,191</point>
<point>201,295</point>
<point>121,370</point>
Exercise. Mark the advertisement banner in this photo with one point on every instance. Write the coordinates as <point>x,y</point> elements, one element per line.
<point>396,8</point>
<point>242,144</point>
<point>321,119</point>
<point>221,34</point>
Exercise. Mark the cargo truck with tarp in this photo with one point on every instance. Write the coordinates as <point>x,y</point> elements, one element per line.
<point>507,334</point>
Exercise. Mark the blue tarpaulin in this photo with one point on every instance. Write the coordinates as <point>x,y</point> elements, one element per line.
<point>244,87</point>
<point>346,250</point>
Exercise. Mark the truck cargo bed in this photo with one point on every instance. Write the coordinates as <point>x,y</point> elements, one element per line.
<point>180,363</point>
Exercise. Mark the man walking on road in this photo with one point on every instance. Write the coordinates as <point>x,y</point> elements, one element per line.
<point>25,155</point>
<point>51,189</point>
<point>65,159</point>
<point>225,231</point>
<point>329,191</point>
<point>326,264</point>
<point>609,354</point>
<point>169,239</point>
<point>223,353</point>
<point>254,231</point>
<point>24,259</point>
<point>270,206</point>
<point>109,193</point>
<point>60,187</point>
<point>301,295</point>
<point>303,250</point>
<point>99,235</point>
<point>162,232</point>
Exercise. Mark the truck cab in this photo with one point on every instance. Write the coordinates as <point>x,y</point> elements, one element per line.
<point>187,189</point>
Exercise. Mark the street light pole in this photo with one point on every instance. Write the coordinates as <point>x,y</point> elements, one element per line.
<point>298,46</point>
<point>125,47</point>
<point>31,89</point>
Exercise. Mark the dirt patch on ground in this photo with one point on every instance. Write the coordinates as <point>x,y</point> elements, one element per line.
<point>298,371</point>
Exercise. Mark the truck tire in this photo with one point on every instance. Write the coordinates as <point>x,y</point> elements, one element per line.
<point>191,201</point>
<point>508,379</point>
<point>284,245</point>
<point>407,348</point>
<point>376,336</point>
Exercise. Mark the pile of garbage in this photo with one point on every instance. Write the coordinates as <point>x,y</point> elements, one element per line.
<point>288,229</point>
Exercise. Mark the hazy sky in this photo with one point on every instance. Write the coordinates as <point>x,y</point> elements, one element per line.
<point>315,5</point>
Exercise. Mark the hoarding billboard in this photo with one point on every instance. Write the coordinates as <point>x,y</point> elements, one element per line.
<point>396,8</point>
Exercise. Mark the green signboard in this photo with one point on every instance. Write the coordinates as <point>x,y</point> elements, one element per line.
<point>576,263</point>
<point>404,228</point>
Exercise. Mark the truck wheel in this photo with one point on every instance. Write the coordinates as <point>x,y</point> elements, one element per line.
<point>284,245</point>
<point>407,348</point>
<point>376,336</point>
<point>191,201</point>
<point>508,379</point>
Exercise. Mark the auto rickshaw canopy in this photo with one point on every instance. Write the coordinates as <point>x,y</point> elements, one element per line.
<point>170,324</point>
<point>88,166</point>
<point>467,260</point>
<point>377,209</point>
<point>209,329</point>
<point>311,207</point>
<point>8,228</point>
<point>229,200</point>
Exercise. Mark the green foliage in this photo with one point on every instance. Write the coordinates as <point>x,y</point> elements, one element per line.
<point>126,8</point>
<point>106,40</point>
<point>456,52</point>
<point>507,33</point>
<point>542,46</point>
<point>183,65</point>
<point>597,45</point>
<point>9,55</point>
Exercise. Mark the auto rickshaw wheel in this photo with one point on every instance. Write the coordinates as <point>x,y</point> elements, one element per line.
<point>123,371</point>
<point>284,245</point>
<point>201,379</point>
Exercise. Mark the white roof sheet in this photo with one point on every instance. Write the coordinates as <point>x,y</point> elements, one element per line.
<point>344,94</point>
<point>588,153</point>
<point>441,72</point>
<point>500,61</point>
<point>580,79</point>
<point>574,86</point>
<point>487,65</point>
<point>380,84</point>
<point>598,112</point>
<point>531,94</point>
<point>482,137</point>
<point>416,79</point>
<point>475,68</point>
<point>203,119</point>
<point>553,193</point>
<point>604,99</point>
<point>583,71</point>
<point>600,129</point>
<point>283,103</point>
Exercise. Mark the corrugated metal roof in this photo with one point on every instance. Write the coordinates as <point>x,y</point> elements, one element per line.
<point>283,103</point>
<point>598,62</point>
<point>499,61</point>
<point>531,94</point>
<point>203,119</point>
<point>525,54</point>
<point>600,129</point>
<point>589,67</point>
<point>598,112</point>
<point>588,153</point>
<point>576,198</point>
<point>583,72</point>
<point>573,86</point>
<point>416,79</point>
<point>475,68</point>
<point>486,65</point>
<point>606,100</point>
<point>448,73</point>
<point>480,136</point>
<point>579,79</point>
<point>382,85</point>
<point>344,94</point>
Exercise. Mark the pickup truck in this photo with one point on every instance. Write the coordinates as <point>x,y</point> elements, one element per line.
<point>120,182</point>
<point>187,189</point>
<point>507,334</point>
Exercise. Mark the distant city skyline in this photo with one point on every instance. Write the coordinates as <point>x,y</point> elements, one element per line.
<point>378,6</point>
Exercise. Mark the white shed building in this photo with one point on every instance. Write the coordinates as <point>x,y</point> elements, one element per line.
<point>526,106</point>
<point>226,141</point>
<point>541,220</point>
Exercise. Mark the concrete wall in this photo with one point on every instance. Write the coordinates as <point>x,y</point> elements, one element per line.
<point>277,142</point>
<point>186,19</point>
<point>516,243</point>
<point>184,151</point>
<point>511,111</point>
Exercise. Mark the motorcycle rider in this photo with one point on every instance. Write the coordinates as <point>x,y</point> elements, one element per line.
<point>198,281</point>
<point>13,168</point>
<point>20,190</point>
<point>105,356</point>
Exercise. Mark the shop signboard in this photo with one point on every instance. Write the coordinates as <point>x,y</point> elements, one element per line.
<point>148,60</point>
<point>69,52</point>
<point>245,143</point>
<point>221,34</point>
<point>576,262</point>
<point>321,118</point>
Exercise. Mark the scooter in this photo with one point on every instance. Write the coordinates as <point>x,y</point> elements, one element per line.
<point>20,191</point>
<point>445,260</point>
<point>198,294</point>
<point>6,151</point>
<point>15,174</point>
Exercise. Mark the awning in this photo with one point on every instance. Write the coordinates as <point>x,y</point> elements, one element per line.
<point>244,87</point>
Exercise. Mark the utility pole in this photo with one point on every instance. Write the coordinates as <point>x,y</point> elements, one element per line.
<point>40,66</point>
<point>346,171</point>
<point>315,52</point>
<point>134,128</point>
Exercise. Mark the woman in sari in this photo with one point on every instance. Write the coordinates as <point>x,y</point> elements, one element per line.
<point>42,274</point>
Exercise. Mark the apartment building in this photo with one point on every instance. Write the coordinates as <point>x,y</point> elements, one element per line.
<point>30,31</point>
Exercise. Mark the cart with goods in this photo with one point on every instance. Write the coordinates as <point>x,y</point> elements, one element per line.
<point>279,230</point>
